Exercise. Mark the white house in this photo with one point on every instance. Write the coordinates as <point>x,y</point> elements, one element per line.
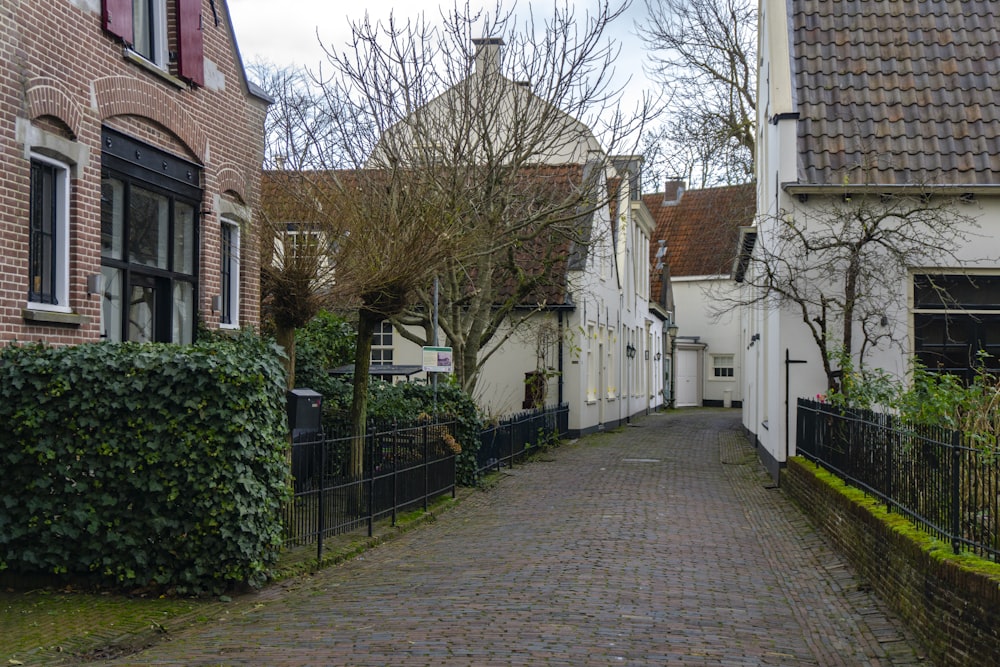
<point>693,245</point>
<point>873,104</point>
<point>591,340</point>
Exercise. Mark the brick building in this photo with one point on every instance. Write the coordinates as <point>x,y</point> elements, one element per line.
<point>131,144</point>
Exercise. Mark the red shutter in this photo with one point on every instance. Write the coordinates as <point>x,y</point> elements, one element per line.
<point>190,45</point>
<point>117,18</point>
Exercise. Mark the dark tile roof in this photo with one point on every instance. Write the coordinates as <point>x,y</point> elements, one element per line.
<point>905,88</point>
<point>701,230</point>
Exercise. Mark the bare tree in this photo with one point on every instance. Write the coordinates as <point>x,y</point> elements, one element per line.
<point>502,126</point>
<point>839,263</point>
<point>423,151</point>
<point>703,52</point>
<point>349,238</point>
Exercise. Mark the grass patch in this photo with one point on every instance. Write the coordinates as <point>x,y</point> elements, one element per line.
<point>67,626</point>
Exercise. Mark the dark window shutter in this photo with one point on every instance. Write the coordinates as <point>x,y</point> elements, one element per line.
<point>190,44</point>
<point>117,18</point>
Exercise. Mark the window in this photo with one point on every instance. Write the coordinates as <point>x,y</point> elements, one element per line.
<point>230,284</point>
<point>149,30</point>
<point>592,359</point>
<point>149,250</point>
<point>142,25</point>
<point>955,318</point>
<point>723,365</point>
<point>48,235</point>
<point>382,344</point>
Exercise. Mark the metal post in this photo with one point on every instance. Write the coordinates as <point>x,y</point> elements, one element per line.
<point>956,441</point>
<point>395,469</point>
<point>322,500</point>
<point>434,337</point>
<point>788,364</point>
<point>426,463</point>
<point>371,480</point>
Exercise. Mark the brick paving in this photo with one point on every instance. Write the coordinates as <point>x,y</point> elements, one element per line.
<point>658,544</point>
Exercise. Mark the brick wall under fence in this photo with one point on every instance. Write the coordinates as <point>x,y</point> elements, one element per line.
<point>952,603</point>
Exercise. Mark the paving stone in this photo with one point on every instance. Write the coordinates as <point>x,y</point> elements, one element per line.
<point>659,544</point>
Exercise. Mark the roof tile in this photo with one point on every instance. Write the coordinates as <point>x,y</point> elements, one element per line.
<point>701,230</point>
<point>907,87</point>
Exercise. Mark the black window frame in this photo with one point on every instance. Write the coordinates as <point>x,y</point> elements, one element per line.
<point>956,318</point>
<point>230,273</point>
<point>43,233</point>
<point>138,165</point>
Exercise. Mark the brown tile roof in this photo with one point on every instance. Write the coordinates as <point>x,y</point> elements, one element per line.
<point>700,230</point>
<point>908,88</point>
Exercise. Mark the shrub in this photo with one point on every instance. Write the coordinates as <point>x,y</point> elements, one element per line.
<point>930,398</point>
<point>404,403</point>
<point>326,342</point>
<point>143,464</point>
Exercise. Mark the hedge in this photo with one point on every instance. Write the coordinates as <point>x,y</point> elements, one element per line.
<point>143,465</point>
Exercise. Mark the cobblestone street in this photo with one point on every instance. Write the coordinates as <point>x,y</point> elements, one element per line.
<point>662,543</point>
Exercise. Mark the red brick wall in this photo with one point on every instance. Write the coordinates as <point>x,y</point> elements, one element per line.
<point>59,71</point>
<point>953,608</point>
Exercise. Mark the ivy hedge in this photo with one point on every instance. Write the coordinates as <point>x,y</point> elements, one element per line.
<point>143,465</point>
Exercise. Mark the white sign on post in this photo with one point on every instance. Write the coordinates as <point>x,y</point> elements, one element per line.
<point>438,360</point>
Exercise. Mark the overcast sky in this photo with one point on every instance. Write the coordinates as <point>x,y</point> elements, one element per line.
<point>284,31</point>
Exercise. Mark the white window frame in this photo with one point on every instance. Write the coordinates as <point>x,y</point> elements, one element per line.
<point>230,300</point>
<point>592,347</point>
<point>730,366</point>
<point>61,254</point>
<point>384,332</point>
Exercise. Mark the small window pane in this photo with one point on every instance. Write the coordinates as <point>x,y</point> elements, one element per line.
<point>230,273</point>
<point>142,313</point>
<point>111,304</point>
<point>43,239</point>
<point>142,28</point>
<point>112,218</point>
<point>183,313</point>
<point>183,238</point>
<point>148,229</point>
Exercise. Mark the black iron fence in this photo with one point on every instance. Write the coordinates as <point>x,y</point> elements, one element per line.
<point>403,468</point>
<point>935,476</point>
<point>512,438</point>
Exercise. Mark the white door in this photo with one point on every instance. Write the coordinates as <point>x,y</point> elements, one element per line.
<point>686,377</point>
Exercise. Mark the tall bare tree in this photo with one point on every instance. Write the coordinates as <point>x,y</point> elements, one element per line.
<point>502,125</point>
<point>703,52</point>
<point>348,237</point>
<point>425,151</point>
<point>840,261</point>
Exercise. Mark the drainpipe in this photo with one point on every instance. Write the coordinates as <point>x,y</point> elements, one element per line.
<point>559,362</point>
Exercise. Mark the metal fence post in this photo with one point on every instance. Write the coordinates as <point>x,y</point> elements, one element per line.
<point>395,469</point>
<point>426,463</point>
<point>322,498</point>
<point>370,437</point>
<point>956,441</point>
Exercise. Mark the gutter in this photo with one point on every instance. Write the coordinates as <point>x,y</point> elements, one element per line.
<point>795,188</point>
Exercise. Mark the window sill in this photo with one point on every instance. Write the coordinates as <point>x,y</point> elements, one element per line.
<point>153,68</point>
<point>229,327</point>
<point>52,317</point>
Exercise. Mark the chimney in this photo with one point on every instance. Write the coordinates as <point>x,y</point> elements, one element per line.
<point>673,192</point>
<point>488,55</point>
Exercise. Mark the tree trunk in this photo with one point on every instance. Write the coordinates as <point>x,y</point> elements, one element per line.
<point>367,321</point>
